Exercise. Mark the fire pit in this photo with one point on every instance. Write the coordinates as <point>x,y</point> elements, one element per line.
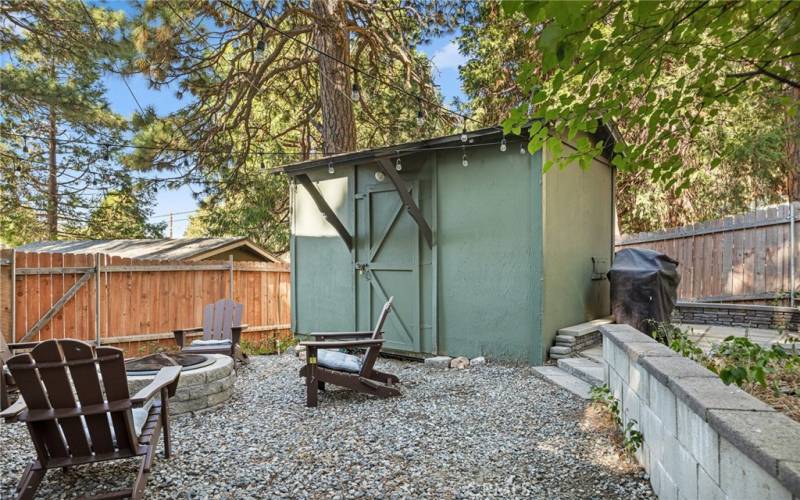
<point>149,365</point>
<point>206,379</point>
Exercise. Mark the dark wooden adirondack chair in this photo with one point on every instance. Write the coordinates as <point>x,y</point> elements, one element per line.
<point>75,401</point>
<point>222,329</point>
<point>7,383</point>
<point>347,370</point>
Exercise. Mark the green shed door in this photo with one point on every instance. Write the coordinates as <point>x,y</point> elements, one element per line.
<point>387,263</point>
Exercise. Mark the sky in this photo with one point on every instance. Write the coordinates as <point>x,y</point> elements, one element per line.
<point>442,51</point>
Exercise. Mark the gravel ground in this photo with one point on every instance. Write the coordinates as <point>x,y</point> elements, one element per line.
<point>492,431</point>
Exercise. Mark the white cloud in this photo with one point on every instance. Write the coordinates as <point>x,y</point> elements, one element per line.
<point>448,57</point>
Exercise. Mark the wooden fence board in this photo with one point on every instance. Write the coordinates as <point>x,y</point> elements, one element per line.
<point>744,257</point>
<point>150,302</point>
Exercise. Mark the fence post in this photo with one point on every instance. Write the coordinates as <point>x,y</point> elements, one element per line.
<point>230,276</point>
<point>13,303</point>
<point>791,253</point>
<point>97,299</point>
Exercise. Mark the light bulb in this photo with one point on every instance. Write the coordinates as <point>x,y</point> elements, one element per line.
<point>464,161</point>
<point>464,136</point>
<point>522,149</point>
<point>18,171</point>
<point>105,153</point>
<point>185,162</point>
<point>262,166</point>
<point>355,94</point>
<point>24,144</point>
<point>398,166</point>
<point>503,145</point>
<point>260,50</point>
<point>420,118</point>
<point>330,168</point>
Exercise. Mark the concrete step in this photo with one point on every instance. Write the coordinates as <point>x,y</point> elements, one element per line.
<point>563,379</point>
<point>584,328</point>
<point>585,369</point>
<point>565,340</point>
<point>595,353</point>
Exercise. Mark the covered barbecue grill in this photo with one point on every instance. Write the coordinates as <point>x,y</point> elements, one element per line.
<point>644,286</point>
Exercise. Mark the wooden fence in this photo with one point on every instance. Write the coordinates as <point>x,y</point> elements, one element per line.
<point>747,258</point>
<point>134,304</point>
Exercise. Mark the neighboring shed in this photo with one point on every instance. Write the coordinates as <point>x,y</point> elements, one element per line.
<point>177,249</point>
<point>490,258</point>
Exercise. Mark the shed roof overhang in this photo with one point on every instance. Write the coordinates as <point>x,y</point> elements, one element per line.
<point>380,156</point>
<point>488,135</point>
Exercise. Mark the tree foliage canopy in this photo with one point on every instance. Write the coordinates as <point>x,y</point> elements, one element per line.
<point>614,62</point>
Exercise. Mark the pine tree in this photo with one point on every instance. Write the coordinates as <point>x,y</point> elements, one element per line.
<point>58,133</point>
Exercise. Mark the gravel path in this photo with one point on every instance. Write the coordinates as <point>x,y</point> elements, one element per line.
<point>492,431</point>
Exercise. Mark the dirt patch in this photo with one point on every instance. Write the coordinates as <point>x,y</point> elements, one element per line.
<point>782,393</point>
<point>598,420</point>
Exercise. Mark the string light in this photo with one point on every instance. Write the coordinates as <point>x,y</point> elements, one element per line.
<point>185,162</point>
<point>503,145</point>
<point>355,94</point>
<point>522,149</point>
<point>263,167</point>
<point>330,169</point>
<point>464,136</point>
<point>420,118</point>
<point>464,160</point>
<point>18,171</point>
<point>24,144</point>
<point>260,50</point>
<point>106,154</point>
<point>397,88</point>
<point>398,166</point>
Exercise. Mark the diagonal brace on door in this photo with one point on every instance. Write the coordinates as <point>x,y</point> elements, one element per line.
<point>402,189</point>
<point>326,210</point>
<point>58,305</point>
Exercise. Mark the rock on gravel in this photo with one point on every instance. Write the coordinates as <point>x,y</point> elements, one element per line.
<point>459,363</point>
<point>498,432</point>
<point>479,361</point>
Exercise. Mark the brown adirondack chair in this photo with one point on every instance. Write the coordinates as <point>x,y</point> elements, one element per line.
<point>347,370</point>
<point>222,330</point>
<point>78,416</point>
<point>7,383</point>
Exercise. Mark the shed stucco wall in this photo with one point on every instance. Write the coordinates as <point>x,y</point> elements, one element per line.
<point>489,254</point>
<point>578,225</point>
<point>322,267</point>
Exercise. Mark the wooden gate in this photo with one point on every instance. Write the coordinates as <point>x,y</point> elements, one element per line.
<point>111,300</point>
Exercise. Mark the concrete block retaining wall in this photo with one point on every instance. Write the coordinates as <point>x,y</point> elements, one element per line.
<point>702,439</point>
<point>745,315</point>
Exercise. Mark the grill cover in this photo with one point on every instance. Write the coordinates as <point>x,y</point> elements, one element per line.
<point>644,286</point>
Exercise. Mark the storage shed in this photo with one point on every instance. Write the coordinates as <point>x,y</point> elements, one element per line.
<point>177,249</point>
<point>484,253</point>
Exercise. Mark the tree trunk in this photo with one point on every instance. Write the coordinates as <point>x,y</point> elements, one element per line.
<point>52,180</point>
<point>330,37</point>
<point>793,151</point>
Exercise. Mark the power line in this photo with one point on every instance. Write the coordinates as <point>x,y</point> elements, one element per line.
<point>113,64</point>
<point>348,65</point>
<point>130,145</point>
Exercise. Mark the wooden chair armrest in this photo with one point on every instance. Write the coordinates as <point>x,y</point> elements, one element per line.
<point>21,345</point>
<point>340,335</point>
<point>165,377</point>
<point>339,344</point>
<point>236,334</point>
<point>10,414</point>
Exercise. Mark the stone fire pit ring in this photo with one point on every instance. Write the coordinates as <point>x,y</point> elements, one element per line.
<point>199,387</point>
